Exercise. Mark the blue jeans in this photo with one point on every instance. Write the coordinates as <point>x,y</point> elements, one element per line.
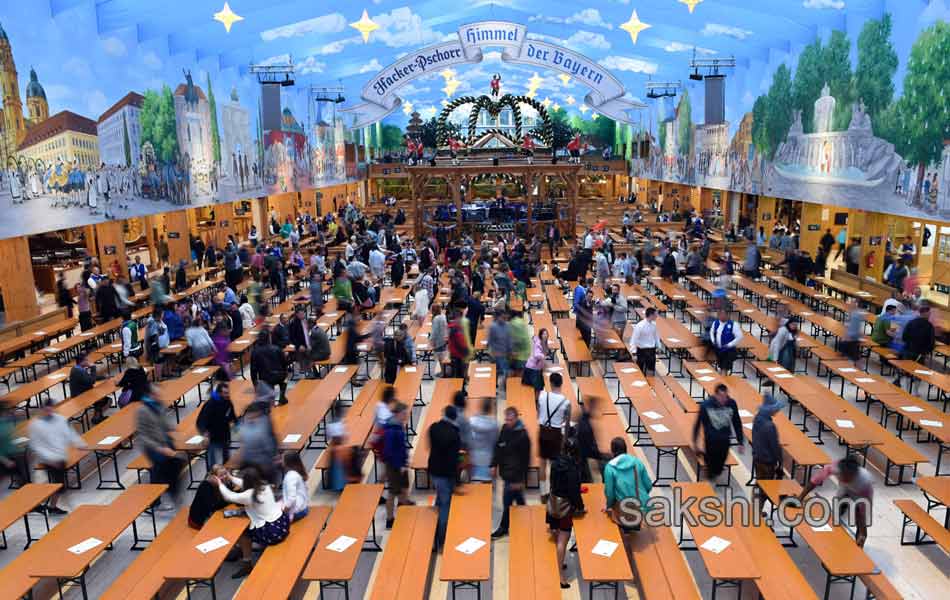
<point>501,366</point>
<point>510,495</point>
<point>217,454</point>
<point>444,486</point>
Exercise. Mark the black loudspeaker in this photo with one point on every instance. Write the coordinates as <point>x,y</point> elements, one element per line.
<point>494,162</point>
<point>554,161</point>
<point>715,99</point>
<point>270,107</point>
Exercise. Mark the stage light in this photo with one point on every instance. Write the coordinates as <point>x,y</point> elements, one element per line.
<point>695,75</point>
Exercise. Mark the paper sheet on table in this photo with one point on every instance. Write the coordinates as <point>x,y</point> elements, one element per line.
<point>652,415</point>
<point>783,376</point>
<point>554,369</point>
<point>470,546</point>
<point>291,438</point>
<point>200,370</point>
<point>929,423</point>
<point>57,376</point>
<point>715,544</point>
<point>744,413</point>
<point>674,340</point>
<point>482,375</point>
<point>340,369</point>
<point>845,423</point>
<point>422,346</point>
<point>775,369</point>
<point>923,372</point>
<point>604,548</point>
<point>848,370</point>
<point>747,426</point>
<point>410,369</point>
<point>706,378</point>
<point>822,529</point>
<point>195,440</point>
<point>660,428</point>
<point>613,341</point>
<point>212,545</point>
<point>629,370</point>
<point>864,379</point>
<point>639,383</point>
<point>85,545</point>
<point>704,371</point>
<point>20,441</point>
<point>108,440</point>
<point>912,409</point>
<point>483,369</point>
<point>341,543</point>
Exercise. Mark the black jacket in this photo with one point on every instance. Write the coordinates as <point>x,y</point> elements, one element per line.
<point>444,446</point>
<point>513,453</point>
<point>267,364</point>
<point>280,335</point>
<point>237,323</point>
<point>80,380</point>
<point>215,419</point>
<point>298,336</point>
<point>351,355</point>
<point>135,380</point>
<point>206,502</point>
<point>566,481</point>
<point>107,301</point>
<point>919,337</point>
<point>587,443</point>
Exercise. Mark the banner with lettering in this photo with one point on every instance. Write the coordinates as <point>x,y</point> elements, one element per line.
<point>381,93</point>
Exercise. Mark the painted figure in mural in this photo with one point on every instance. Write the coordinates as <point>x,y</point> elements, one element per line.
<point>495,85</point>
<point>527,145</point>
<point>574,148</point>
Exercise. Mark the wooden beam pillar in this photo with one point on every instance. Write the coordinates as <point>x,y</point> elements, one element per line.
<point>110,245</point>
<point>259,216</point>
<point>224,223</point>
<point>176,234</point>
<point>872,234</point>
<point>453,181</point>
<point>152,225</point>
<point>17,284</point>
<point>765,215</point>
<point>811,227</point>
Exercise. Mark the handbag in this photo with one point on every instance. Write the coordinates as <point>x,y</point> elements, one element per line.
<point>559,507</point>
<point>125,397</point>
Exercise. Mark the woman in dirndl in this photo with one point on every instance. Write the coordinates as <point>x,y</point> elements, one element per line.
<point>269,526</point>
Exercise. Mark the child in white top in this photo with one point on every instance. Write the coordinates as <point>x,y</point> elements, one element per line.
<point>296,498</point>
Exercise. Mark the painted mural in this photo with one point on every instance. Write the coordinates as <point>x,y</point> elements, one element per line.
<point>858,121</point>
<point>114,132</point>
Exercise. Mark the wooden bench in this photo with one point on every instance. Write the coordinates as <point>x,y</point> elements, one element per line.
<point>925,526</point>
<point>601,572</point>
<point>469,517</point>
<point>442,395</point>
<point>532,556</point>
<point>143,580</point>
<point>20,503</point>
<point>403,572</point>
<point>358,423</point>
<point>353,516</point>
<point>880,587</point>
<point>662,570</point>
<point>278,569</point>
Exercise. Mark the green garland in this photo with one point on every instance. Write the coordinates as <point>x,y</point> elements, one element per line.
<point>544,132</point>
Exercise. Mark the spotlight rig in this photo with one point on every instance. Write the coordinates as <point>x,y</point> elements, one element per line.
<point>277,74</point>
<point>711,66</point>
<point>659,89</point>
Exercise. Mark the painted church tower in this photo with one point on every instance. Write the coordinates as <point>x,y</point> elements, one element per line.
<point>36,100</point>
<point>12,126</point>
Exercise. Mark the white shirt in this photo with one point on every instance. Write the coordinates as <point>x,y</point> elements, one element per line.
<point>265,510</point>
<point>548,405</point>
<point>247,315</point>
<point>51,438</point>
<point>644,335</point>
<point>588,241</point>
<point>383,414</point>
<point>296,495</point>
<point>422,303</point>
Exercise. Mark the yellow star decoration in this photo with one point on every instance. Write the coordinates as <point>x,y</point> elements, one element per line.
<point>429,112</point>
<point>535,82</point>
<point>565,78</point>
<point>448,74</point>
<point>556,106</point>
<point>634,26</point>
<point>227,17</point>
<point>570,100</point>
<point>450,86</point>
<point>407,108</point>
<point>583,108</point>
<point>546,102</point>
<point>691,4</point>
<point>593,116</point>
<point>532,93</point>
<point>365,26</point>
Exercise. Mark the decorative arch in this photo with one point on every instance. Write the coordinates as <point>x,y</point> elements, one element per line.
<point>479,103</point>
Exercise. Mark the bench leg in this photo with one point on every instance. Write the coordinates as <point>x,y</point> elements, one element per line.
<point>603,585</point>
<point>832,579</point>
<point>108,484</point>
<point>660,453</point>
<point>727,583</point>
<point>79,580</point>
<point>465,585</point>
<point>194,583</point>
<point>337,585</point>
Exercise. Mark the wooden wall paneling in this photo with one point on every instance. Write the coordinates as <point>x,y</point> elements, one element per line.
<point>16,280</point>
<point>224,223</point>
<point>176,234</point>
<point>110,246</point>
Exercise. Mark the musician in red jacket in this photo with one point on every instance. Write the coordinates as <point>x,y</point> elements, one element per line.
<point>574,148</point>
<point>527,145</point>
<point>454,147</point>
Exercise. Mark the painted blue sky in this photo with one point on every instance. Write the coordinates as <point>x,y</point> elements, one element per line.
<point>89,53</point>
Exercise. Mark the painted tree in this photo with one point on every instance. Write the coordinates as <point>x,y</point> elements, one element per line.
<point>779,113</point>
<point>561,130</point>
<point>215,138</point>
<point>877,63</point>
<point>759,117</point>
<point>922,115</point>
<point>836,64</point>
<point>807,85</point>
<point>126,146</point>
<point>157,119</point>
<point>684,121</point>
<point>391,138</point>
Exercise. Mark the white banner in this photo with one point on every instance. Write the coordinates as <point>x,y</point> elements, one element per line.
<point>381,92</point>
